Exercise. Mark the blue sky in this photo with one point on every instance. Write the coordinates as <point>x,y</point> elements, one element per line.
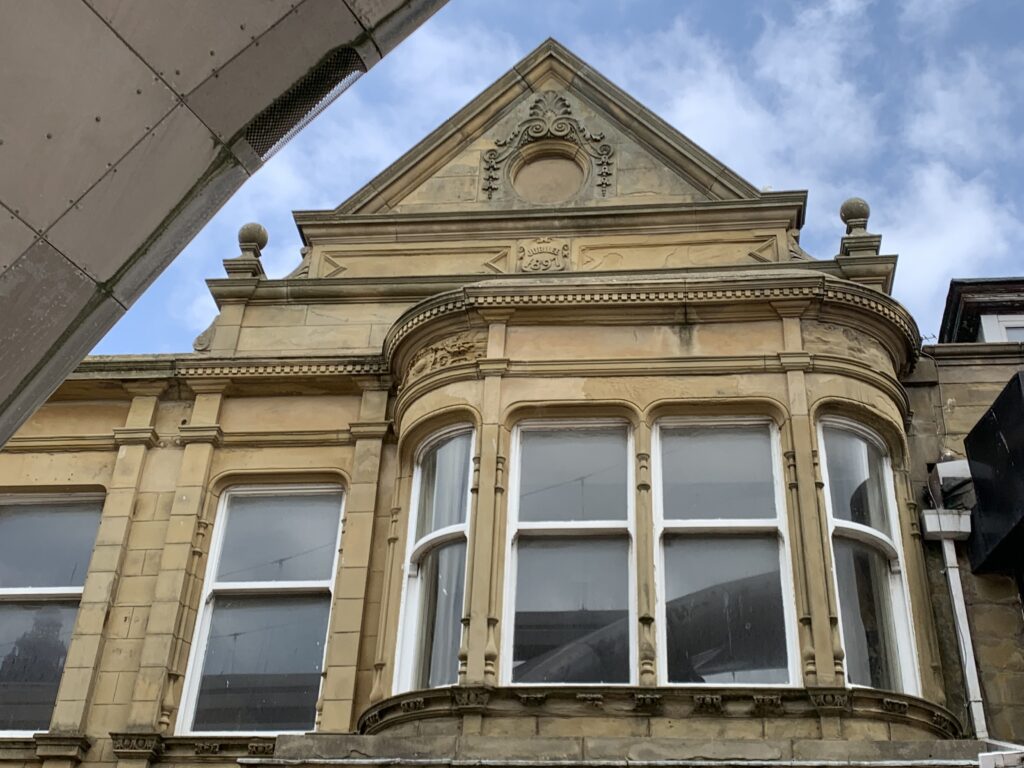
<point>917,106</point>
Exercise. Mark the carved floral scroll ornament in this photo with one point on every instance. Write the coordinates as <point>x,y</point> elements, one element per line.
<point>458,349</point>
<point>550,117</point>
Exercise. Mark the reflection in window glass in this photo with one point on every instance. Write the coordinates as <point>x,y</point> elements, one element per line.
<point>1015,333</point>
<point>572,611</point>
<point>573,474</point>
<point>865,605</point>
<point>717,472</point>
<point>34,639</point>
<point>724,616</point>
<point>855,472</point>
<point>444,481</point>
<point>40,549</point>
<point>263,661</point>
<point>443,573</point>
<point>280,538</point>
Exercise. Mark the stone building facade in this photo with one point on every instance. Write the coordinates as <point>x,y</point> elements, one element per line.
<point>556,447</point>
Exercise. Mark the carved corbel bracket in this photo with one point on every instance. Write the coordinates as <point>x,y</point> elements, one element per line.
<point>54,746</point>
<point>137,746</point>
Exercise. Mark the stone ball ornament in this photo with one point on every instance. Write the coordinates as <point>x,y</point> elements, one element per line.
<point>856,208</point>
<point>253,233</point>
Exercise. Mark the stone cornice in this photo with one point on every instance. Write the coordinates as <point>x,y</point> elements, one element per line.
<point>976,353</point>
<point>780,209</point>
<point>734,297</point>
<point>419,287</point>
<point>59,443</point>
<point>130,367</point>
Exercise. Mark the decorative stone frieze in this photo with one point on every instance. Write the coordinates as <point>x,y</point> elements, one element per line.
<point>664,705</point>
<point>463,348</point>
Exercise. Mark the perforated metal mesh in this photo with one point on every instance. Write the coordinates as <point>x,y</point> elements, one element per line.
<point>290,112</point>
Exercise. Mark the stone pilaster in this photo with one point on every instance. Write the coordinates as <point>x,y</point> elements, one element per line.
<point>74,698</point>
<point>645,555</point>
<point>338,691</point>
<point>156,693</point>
<point>820,653</point>
<point>487,537</point>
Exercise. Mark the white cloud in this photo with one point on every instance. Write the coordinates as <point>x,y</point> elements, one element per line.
<point>792,114</point>
<point>960,112</point>
<point>945,225</point>
<point>929,17</point>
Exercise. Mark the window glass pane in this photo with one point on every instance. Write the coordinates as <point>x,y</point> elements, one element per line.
<point>724,616</point>
<point>280,538</point>
<point>262,667</point>
<point>34,641</point>
<point>442,576</point>
<point>717,472</point>
<point>865,605</point>
<point>444,485</point>
<point>855,468</point>
<point>46,545</point>
<point>573,474</point>
<point>1015,333</point>
<point>572,611</point>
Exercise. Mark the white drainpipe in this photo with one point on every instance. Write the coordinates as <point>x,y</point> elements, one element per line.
<point>949,526</point>
<point>963,638</point>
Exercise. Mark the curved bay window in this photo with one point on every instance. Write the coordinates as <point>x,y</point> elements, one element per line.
<point>866,552</point>
<point>436,562</point>
<point>570,574</point>
<point>723,564</point>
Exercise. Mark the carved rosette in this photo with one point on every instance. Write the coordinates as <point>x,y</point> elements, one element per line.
<point>544,254</point>
<point>550,117</point>
<point>462,348</point>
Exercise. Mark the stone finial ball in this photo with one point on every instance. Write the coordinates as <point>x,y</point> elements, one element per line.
<point>253,234</point>
<point>854,208</point>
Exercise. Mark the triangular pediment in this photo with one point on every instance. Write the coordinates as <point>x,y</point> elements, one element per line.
<point>550,133</point>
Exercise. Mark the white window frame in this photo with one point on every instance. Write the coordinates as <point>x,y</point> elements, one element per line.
<point>211,589</point>
<point>891,548</point>
<point>779,526</point>
<point>580,528</point>
<point>38,594</point>
<point>407,663</point>
<point>994,327</point>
